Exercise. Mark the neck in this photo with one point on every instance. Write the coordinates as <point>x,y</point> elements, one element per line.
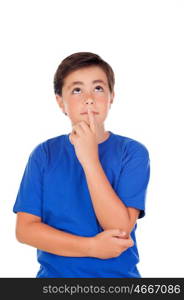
<point>102,135</point>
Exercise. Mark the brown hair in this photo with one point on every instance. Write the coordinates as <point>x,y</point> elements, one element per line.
<point>77,61</point>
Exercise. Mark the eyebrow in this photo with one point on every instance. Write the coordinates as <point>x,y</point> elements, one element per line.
<point>81,83</point>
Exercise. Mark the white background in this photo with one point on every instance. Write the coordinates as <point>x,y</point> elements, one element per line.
<point>143,41</point>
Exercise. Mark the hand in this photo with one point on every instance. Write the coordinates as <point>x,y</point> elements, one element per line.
<point>84,139</point>
<point>109,243</point>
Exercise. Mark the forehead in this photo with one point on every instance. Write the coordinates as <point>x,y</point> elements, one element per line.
<point>86,75</point>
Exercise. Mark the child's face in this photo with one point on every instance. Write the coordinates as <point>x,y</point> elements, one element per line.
<point>76,97</point>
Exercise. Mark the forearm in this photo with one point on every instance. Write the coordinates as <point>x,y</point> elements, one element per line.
<point>109,209</point>
<point>49,239</point>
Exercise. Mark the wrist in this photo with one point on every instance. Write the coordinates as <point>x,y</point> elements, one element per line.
<point>91,165</point>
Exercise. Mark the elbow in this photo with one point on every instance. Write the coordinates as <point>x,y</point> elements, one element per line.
<point>128,230</point>
<point>24,229</point>
<point>19,235</point>
<point>125,229</point>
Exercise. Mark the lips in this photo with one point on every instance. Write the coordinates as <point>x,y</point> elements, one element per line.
<point>85,113</point>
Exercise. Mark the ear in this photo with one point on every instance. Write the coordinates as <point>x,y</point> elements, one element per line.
<point>59,100</point>
<point>112,97</point>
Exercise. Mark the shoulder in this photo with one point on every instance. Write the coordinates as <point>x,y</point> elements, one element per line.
<point>45,149</point>
<point>131,146</point>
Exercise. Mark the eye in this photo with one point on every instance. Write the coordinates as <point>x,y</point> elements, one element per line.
<point>99,87</point>
<point>76,89</point>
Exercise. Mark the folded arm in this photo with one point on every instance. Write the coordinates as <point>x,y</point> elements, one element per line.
<point>30,230</point>
<point>109,208</point>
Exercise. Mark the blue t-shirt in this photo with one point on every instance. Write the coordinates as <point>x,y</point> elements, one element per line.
<point>54,187</point>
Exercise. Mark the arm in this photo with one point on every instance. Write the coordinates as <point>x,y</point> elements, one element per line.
<point>109,209</point>
<point>30,230</point>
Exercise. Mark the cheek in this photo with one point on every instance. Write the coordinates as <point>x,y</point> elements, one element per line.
<point>73,106</point>
<point>104,105</point>
<point>103,98</point>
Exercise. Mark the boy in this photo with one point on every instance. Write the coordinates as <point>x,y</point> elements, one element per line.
<point>82,193</point>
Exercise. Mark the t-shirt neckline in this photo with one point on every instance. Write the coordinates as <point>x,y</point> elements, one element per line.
<point>100,145</point>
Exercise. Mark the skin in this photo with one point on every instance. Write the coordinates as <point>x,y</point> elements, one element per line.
<point>87,131</point>
<point>78,98</point>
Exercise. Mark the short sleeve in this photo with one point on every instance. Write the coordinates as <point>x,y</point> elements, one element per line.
<point>29,197</point>
<point>134,177</point>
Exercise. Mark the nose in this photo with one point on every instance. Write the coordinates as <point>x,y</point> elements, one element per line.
<point>89,100</point>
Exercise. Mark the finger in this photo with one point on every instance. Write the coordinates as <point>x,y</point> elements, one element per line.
<point>77,129</point>
<point>126,242</point>
<point>122,235</point>
<point>92,120</point>
<point>130,242</point>
<point>117,232</point>
<point>84,125</point>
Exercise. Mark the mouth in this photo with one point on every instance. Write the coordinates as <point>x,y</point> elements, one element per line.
<point>85,113</point>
